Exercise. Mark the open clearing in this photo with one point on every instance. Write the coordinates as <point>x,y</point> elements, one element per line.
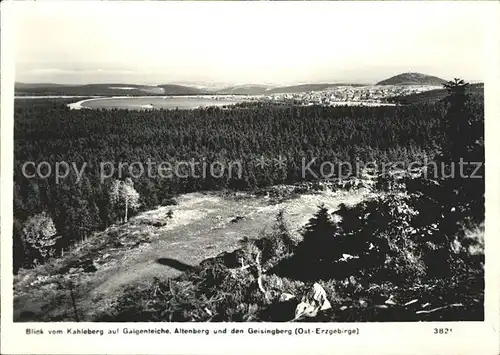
<point>202,226</point>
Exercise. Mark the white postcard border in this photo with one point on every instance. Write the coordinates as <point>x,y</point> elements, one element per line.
<point>384,338</point>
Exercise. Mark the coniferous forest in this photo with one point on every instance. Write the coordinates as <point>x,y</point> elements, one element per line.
<point>47,131</point>
<point>419,239</point>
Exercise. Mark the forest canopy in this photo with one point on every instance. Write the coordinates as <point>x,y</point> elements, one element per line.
<point>47,131</point>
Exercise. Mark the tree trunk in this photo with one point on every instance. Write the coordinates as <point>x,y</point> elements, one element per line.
<point>126,210</point>
<point>73,302</point>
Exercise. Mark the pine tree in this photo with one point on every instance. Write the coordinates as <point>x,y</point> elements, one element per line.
<point>319,241</point>
<point>456,122</point>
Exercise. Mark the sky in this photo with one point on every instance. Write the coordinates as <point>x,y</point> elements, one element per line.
<point>276,43</point>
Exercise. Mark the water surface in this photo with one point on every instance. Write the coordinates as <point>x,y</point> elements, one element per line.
<point>156,102</point>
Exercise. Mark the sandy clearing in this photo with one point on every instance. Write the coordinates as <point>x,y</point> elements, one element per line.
<point>193,234</point>
<point>203,225</point>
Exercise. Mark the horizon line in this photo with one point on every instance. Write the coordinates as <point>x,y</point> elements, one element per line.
<point>226,84</point>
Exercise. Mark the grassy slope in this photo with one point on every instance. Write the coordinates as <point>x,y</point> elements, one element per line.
<point>436,95</point>
<point>220,289</point>
<point>201,227</point>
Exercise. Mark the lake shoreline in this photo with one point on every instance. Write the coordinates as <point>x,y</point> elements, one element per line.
<point>214,101</point>
<point>184,101</point>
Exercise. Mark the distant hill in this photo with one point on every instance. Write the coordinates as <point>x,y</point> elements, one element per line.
<point>306,87</point>
<point>31,86</point>
<point>47,89</point>
<point>412,79</point>
<point>40,89</point>
<point>249,89</point>
<point>172,89</point>
<point>267,89</point>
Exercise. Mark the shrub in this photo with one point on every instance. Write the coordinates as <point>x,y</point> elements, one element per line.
<point>273,247</point>
<point>40,234</point>
<point>169,201</point>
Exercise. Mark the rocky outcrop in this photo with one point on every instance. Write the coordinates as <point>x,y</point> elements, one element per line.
<point>312,303</point>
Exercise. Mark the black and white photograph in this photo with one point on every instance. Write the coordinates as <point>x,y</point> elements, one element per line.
<point>277,162</point>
